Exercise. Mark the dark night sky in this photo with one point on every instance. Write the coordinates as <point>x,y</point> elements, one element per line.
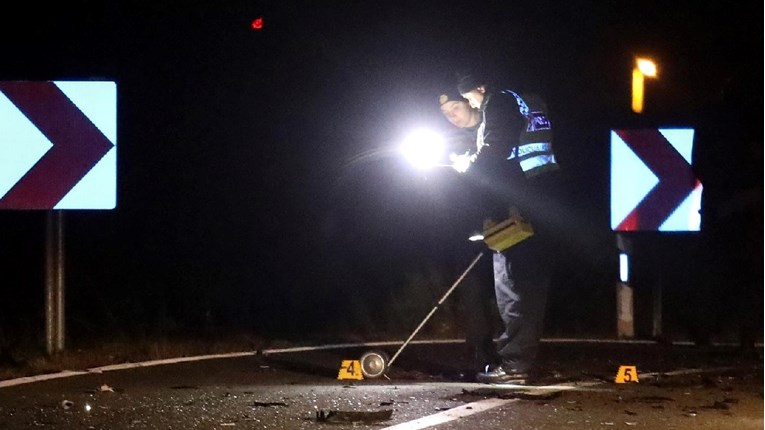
<point>256,177</point>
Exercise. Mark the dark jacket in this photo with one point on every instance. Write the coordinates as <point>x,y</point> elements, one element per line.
<point>512,167</point>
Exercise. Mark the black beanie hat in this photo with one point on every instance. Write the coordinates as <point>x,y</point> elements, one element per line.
<point>450,95</point>
<point>467,83</point>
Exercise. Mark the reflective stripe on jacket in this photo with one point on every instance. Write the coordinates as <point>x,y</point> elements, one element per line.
<point>534,151</point>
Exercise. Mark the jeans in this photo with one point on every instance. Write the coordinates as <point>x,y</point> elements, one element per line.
<point>479,315</point>
<point>522,276</point>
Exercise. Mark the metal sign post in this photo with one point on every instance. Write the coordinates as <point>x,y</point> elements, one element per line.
<point>54,282</point>
<point>625,320</point>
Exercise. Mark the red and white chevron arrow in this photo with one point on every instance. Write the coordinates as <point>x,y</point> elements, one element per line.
<point>58,144</point>
<point>653,187</point>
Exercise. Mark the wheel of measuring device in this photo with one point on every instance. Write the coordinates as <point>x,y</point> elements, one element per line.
<point>374,364</point>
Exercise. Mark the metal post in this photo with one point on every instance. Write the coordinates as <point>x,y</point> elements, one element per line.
<point>54,282</point>
<point>625,320</point>
<point>61,314</point>
<point>50,302</point>
<point>657,309</point>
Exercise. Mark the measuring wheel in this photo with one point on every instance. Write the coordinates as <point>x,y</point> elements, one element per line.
<point>373,364</point>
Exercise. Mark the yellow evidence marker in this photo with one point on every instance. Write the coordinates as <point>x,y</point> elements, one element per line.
<point>626,374</point>
<point>350,369</point>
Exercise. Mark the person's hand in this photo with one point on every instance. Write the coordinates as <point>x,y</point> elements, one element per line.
<point>461,162</point>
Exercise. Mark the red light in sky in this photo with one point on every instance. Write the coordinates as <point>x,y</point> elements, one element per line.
<point>257,23</point>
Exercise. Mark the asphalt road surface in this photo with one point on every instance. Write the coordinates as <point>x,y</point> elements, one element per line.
<point>428,386</point>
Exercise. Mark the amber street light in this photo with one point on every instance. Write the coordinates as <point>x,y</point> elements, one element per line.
<point>643,67</point>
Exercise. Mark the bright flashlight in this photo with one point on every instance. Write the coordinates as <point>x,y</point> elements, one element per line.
<point>423,148</point>
<point>475,236</point>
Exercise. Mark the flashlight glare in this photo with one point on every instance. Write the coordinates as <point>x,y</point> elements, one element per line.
<point>460,162</point>
<point>475,237</point>
<point>423,148</point>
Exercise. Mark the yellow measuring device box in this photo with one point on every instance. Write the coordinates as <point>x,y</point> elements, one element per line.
<point>503,235</point>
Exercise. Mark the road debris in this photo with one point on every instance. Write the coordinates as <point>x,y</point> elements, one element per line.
<point>718,405</point>
<point>353,416</point>
<point>268,404</point>
<point>521,394</point>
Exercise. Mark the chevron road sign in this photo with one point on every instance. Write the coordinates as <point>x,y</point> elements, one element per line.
<point>653,187</point>
<point>58,144</point>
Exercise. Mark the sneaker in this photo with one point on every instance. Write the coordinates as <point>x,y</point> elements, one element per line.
<point>498,375</point>
<point>480,356</point>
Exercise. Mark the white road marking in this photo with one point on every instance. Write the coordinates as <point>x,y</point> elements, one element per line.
<point>38,378</point>
<point>123,366</point>
<point>491,403</point>
<point>486,404</point>
<point>452,414</point>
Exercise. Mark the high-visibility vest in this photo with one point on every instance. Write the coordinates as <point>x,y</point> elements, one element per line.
<point>534,150</point>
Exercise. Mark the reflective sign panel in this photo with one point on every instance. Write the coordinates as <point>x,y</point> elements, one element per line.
<point>58,145</point>
<point>653,187</point>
